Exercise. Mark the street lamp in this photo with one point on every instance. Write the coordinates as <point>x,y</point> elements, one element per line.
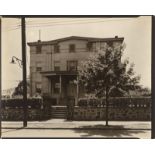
<point>15,59</point>
<point>20,63</point>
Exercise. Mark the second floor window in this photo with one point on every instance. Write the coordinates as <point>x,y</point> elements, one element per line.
<point>38,66</point>
<point>72,48</point>
<point>56,65</point>
<point>71,65</point>
<point>38,69</point>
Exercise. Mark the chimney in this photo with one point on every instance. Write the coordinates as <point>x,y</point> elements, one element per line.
<point>116,36</point>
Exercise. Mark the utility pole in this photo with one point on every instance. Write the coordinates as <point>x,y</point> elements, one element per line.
<point>23,36</point>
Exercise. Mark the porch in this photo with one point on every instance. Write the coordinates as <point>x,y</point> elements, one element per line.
<point>63,87</point>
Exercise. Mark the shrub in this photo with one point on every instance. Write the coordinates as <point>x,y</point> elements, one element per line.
<point>117,102</point>
<point>89,103</point>
<point>82,103</point>
<point>94,103</point>
<point>18,103</point>
<point>48,101</point>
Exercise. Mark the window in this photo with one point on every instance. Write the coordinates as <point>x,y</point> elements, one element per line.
<point>38,69</point>
<point>56,49</point>
<point>72,48</point>
<point>71,65</point>
<point>89,46</point>
<point>38,49</point>
<point>38,66</point>
<point>56,65</point>
<point>38,87</point>
<point>56,86</point>
<point>110,43</point>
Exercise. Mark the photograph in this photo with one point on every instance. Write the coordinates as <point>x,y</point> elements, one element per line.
<point>76,77</point>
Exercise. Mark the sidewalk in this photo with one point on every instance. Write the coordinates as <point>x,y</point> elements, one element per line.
<point>85,129</point>
<point>63,124</point>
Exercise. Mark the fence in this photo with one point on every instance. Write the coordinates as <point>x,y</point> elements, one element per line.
<point>12,109</point>
<point>135,109</point>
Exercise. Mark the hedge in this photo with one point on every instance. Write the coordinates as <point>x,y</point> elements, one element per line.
<point>116,102</point>
<point>18,103</point>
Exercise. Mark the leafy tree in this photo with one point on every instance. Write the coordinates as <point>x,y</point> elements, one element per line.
<point>105,74</point>
<point>144,91</point>
<point>19,89</point>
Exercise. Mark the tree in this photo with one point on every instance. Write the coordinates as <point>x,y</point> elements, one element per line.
<point>19,89</point>
<point>106,75</point>
<point>144,91</point>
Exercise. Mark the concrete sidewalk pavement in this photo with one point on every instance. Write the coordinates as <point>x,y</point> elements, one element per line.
<point>59,128</point>
<point>64,124</point>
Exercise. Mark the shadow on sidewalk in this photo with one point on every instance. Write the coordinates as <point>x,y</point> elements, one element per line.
<point>108,131</point>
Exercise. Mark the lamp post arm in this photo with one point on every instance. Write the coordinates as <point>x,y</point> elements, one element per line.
<point>20,62</point>
<point>17,59</point>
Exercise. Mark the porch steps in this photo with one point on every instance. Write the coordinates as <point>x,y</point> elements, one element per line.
<point>59,112</point>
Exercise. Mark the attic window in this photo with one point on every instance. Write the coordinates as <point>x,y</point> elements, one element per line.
<point>110,43</point>
<point>56,48</point>
<point>89,46</point>
<point>72,48</point>
<point>38,49</point>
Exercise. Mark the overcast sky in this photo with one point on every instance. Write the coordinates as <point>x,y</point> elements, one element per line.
<point>136,31</point>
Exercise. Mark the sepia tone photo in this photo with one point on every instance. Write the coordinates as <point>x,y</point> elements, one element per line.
<point>76,77</point>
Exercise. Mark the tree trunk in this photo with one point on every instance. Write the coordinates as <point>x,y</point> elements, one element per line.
<point>107,106</point>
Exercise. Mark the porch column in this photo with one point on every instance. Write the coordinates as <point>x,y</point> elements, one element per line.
<point>60,92</point>
<point>77,91</point>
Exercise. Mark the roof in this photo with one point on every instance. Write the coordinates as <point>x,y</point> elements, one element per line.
<point>91,39</point>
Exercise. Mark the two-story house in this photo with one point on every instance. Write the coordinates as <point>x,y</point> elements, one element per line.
<point>53,65</point>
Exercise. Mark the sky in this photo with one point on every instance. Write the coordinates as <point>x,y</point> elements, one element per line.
<point>136,33</point>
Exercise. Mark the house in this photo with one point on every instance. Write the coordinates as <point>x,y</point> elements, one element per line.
<point>53,65</point>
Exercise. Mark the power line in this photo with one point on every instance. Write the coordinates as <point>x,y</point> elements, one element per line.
<point>64,21</point>
<point>60,23</point>
<point>50,25</point>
